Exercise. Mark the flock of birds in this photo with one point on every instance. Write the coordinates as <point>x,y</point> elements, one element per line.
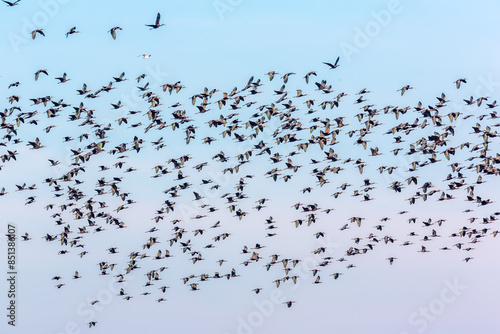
<point>81,215</point>
<point>73,30</point>
<point>270,132</point>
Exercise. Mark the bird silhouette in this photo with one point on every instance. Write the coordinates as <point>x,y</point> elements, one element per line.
<point>157,24</point>
<point>334,65</point>
<point>113,30</point>
<point>71,32</point>
<point>37,31</point>
<point>11,4</point>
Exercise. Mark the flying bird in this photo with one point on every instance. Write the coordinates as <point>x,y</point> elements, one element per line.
<point>113,31</point>
<point>334,65</point>
<point>37,31</point>
<point>71,32</point>
<point>460,81</point>
<point>157,24</point>
<point>11,4</point>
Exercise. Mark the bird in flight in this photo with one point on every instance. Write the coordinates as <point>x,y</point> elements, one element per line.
<point>37,74</point>
<point>11,4</point>
<point>157,24</point>
<point>71,32</point>
<point>308,75</point>
<point>113,31</point>
<point>63,79</point>
<point>404,89</point>
<point>37,31</point>
<point>335,65</point>
<point>460,81</point>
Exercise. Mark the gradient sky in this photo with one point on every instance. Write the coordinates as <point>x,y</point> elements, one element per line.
<point>221,44</point>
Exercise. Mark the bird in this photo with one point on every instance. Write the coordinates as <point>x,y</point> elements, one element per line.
<point>120,78</point>
<point>306,77</point>
<point>157,24</point>
<point>334,65</point>
<point>84,90</point>
<point>460,81</point>
<point>286,76</point>
<point>63,79</point>
<point>405,89</point>
<point>11,4</point>
<point>271,75</point>
<point>37,31</point>
<point>71,32</point>
<point>37,73</point>
<point>113,30</point>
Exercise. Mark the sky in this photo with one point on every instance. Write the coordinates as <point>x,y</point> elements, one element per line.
<point>382,46</point>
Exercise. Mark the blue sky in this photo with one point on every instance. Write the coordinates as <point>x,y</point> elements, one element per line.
<point>382,45</point>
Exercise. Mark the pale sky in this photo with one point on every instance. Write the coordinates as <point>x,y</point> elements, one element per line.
<point>382,45</point>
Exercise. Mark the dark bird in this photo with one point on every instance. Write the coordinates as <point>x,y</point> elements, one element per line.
<point>404,89</point>
<point>157,24</point>
<point>11,4</point>
<point>334,65</point>
<point>37,31</point>
<point>71,32</point>
<point>113,31</point>
<point>37,73</point>
<point>460,81</point>
<point>63,79</point>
